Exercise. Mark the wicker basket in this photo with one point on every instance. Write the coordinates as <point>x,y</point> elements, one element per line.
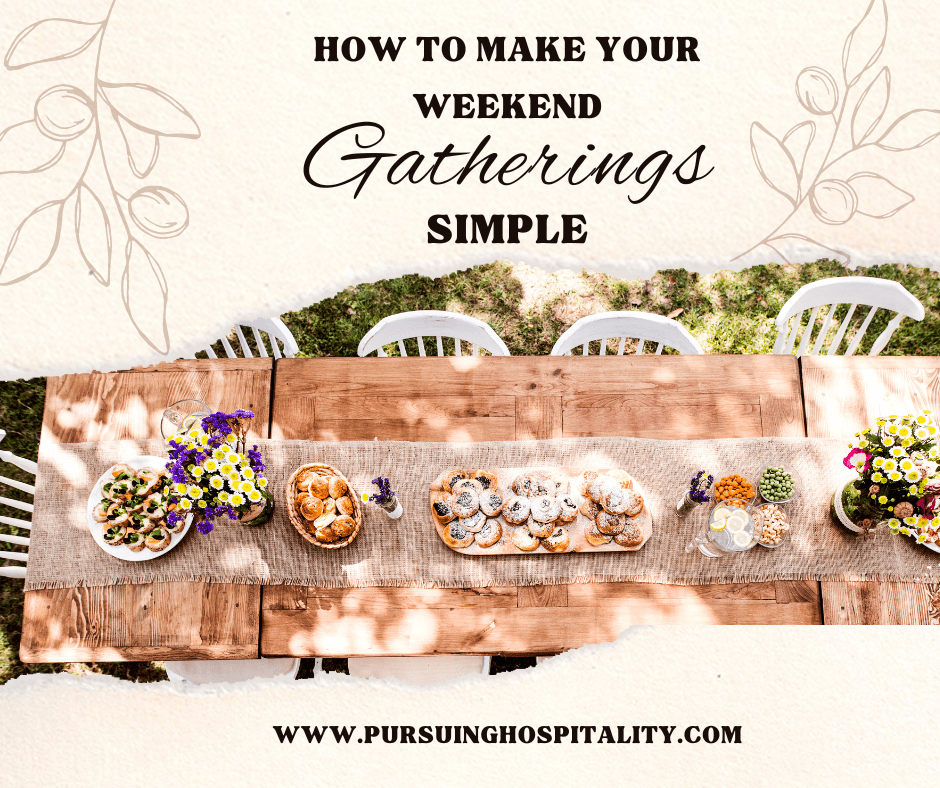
<point>298,521</point>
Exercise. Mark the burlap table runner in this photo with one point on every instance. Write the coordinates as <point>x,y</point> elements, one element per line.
<point>408,552</point>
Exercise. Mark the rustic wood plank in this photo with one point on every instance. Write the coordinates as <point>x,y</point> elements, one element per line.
<point>538,375</point>
<point>797,592</point>
<point>426,407</point>
<point>593,594</point>
<point>843,395</point>
<point>782,416</point>
<point>538,418</point>
<point>543,596</point>
<point>346,630</point>
<point>879,603</point>
<point>701,416</point>
<point>119,405</point>
<point>393,598</point>
<point>499,428</point>
<point>284,598</point>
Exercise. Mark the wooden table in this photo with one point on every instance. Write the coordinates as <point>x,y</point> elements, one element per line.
<point>160,620</point>
<point>843,395</point>
<point>490,398</point>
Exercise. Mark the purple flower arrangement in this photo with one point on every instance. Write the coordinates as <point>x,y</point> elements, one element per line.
<point>213,474</point>
<point>698,489</point>
<point>385,493</point>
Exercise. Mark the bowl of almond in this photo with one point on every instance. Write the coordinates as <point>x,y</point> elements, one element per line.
<point>775,525</point>
<point>323,506</point>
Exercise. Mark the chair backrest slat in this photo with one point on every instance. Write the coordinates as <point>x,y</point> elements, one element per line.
<point>642,326</point>
<point>246,349</point>
<point>262,350</point>
<point>28,488</point>
<point>401,347</point>
<point>659,349</point>
<point>824,331</point>
<point>23,464</point>
<point>14,556</point>
<point>228,348</point>
<point>440,345</point>
<point>18,572</point>
<point>16,522</point>
<point>885,336</point>
<point>850,350</point>
<point>843,327</point>
<point>421,351</point>
<point>808,332</point>
<point>21,505</point>
<point>11,539</point>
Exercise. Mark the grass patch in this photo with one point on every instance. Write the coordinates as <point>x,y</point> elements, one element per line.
<point>726,312</point>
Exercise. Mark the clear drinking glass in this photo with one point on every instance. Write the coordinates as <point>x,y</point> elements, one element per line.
<point>182,415</point>
<point>738,517</point>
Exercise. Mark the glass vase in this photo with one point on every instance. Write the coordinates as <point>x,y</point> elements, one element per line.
<point>685,504</point>
<point>392,507</point>
<point>260,514</point>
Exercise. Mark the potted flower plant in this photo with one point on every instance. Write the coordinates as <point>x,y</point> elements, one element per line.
<point>215,475</point>
<point>898,482</point>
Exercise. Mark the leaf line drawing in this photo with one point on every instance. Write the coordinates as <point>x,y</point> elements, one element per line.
<point>835,201</point>
<point>63,114</point>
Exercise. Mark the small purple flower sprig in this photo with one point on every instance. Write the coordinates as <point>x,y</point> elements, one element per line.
<point>698,490</point>
<point>385,493</point>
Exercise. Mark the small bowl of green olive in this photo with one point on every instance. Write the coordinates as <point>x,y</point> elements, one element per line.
<point>778,483</point>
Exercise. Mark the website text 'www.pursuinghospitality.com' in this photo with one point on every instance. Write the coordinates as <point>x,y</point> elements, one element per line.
<point>508,734</point>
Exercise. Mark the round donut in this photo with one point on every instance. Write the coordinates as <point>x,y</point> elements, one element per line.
<point>489,534</point>
<point>558,541</point>
<point>539,529</point>
<point>545,509</point>
<point>469,484</point>
<point>465,502</point>
<point>516,510</point>
<point>634,503</point>
<point>486,478</point>
<point>631,535</point>
<point>589,509</point>
<point>586,478</point>
<point>568,508</point>
<point>621,476</point>
<point>452,476</point>
<point>595,537</point>
<point>615,499</point>
<point>609,524</point>
<point>442,509</point>
<point>457,537</point>
<point>522,539</point>
<point>474,523</point>
<point>491,502</point>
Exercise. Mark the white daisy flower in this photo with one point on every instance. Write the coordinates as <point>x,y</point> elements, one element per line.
<point>219,454</point>
<point>216,483</point>
<point>248,473</point>
<point>262,482</point>
<point>195,492</point>
<point>894,476</point>
<point>254,496</point>
<point>224,496</point>
<point>246,487</point>
<point>912,476</point>
<point>186,504</point>
<point>211,465</point>
<point>237,499</point>
<point>227,469</point>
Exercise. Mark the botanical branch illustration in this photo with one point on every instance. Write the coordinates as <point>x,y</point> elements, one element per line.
<point>63,114</point>
<point>835,201</point>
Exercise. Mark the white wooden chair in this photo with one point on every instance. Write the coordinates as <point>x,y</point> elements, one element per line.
<point>418,670</point>
<point>642,326</point>
<point>18,572</point>
<point>272,326</point>
<point>431,323</point>
<point>854,290</point>
<point>231,671</point>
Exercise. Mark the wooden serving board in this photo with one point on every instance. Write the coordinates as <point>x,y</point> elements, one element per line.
<point>578,542</point>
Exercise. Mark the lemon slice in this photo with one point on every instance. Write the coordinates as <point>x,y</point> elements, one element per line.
<point>718,524</point>
<point>736,524</point>
<point>721,514</point>
<point>741,538</point>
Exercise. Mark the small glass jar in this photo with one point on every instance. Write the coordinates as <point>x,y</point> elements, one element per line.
<point>685,504</point>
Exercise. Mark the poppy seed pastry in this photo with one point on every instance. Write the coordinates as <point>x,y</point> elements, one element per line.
<point>491,502</point>
<point>568,508</point>
<point>452,477</point>
<point>516,510</point>
<point>486,478</point>
<point>522,485</point>
<point>455,536</point>
<point>545,509</point>
<point>465,502</point>
<point>489,534</point>
<point>522,539</point>
<point>442,509</point>
<point>539,529</point>
<point>474,523</point>
<point>631,535</point>
<point>558,541</point>
<point>589,509</point>
<point>469,484</point>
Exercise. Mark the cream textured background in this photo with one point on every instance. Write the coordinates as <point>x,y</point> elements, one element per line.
<point>834,707</point>
<point>262,240</point>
